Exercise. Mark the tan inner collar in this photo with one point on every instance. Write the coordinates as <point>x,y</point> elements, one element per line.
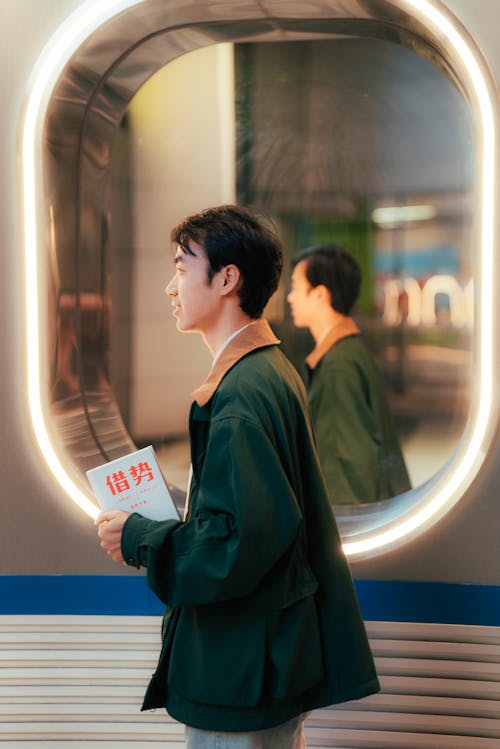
<point>343,329</point>
<point>254,336</point>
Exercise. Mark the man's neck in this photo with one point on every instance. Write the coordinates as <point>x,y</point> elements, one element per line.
<point>324,323</point>
<point>230,323</point>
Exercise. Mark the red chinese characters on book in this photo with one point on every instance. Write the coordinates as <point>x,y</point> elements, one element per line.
<point>121,482</point>
<point>118,482</point>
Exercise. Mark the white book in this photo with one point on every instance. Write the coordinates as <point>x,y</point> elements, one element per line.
<point>134,483</point>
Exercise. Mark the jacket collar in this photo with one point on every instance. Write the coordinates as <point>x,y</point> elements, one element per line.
<point>256,335</point>
<point>346,327</point>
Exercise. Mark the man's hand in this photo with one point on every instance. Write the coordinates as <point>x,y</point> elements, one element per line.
<point>109,529</point>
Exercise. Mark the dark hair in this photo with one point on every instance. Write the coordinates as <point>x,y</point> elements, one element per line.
<point>331,265</point>
<point>230,234</point>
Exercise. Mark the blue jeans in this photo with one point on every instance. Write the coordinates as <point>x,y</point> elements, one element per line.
<point>289,735</point>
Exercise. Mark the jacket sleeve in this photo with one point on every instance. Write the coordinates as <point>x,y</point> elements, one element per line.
<point>244,520</point>
<point>347,434</point>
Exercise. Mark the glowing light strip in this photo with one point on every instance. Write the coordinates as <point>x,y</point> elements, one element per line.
<point>227,122</point>
<point>68,37</point>
<point>463,474</point>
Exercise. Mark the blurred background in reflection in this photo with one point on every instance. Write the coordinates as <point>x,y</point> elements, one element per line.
<point>353,140</point>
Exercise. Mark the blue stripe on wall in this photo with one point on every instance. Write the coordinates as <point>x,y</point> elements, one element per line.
<point>380,600</point>
<point>440,603</point>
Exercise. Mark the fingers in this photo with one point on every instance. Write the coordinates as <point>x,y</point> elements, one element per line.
<point>110,531</point>
<point>107,515</point>
<point>111,543</point>
<point>115,554</point>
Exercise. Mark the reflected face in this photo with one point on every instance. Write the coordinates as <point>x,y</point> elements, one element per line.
<point>195,301</point>
<point>301,297</point>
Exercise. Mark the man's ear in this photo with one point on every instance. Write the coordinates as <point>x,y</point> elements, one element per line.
<point>323,294</point>
<point>229,279</point>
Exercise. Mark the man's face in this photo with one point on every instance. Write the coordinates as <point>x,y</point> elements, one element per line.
<point>301,297</point>
<point>196,303</point>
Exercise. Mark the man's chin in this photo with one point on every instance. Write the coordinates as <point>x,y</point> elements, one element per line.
<point>183,327</point>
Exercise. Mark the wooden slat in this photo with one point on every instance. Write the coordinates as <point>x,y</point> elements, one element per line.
<point>467,688</point>
<point>60,675</point>
<point>73,658</point>
<point>356,739</point>
<point>431,723</point>
<point>438,668</point>
<point>72,692</point>
<point>79,743</point>
<point>93,731</point>
<point>66,622</point>
<point>462,633</point>
<point>442,650</point>
<point>66,640</point>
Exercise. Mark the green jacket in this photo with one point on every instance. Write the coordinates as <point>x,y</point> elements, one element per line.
<point>358,446</point>
<point>262,621</point>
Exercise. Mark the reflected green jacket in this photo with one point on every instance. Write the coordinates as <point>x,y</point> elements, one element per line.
<point>358,446</point>
<point>262,621</point>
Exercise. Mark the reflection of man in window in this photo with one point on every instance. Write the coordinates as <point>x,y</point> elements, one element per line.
<point>358,446</point>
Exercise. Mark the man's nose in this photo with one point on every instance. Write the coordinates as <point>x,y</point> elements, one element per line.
<point>171,288</point>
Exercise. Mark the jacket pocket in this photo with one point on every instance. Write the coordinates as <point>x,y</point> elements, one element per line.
<point>294,649</point>
<point>218,656</point>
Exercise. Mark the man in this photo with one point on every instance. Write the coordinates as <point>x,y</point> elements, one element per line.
<point>262,623</point>
<point>358,447</point>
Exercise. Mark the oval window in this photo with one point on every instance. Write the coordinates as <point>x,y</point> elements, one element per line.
<point>374,135</point>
